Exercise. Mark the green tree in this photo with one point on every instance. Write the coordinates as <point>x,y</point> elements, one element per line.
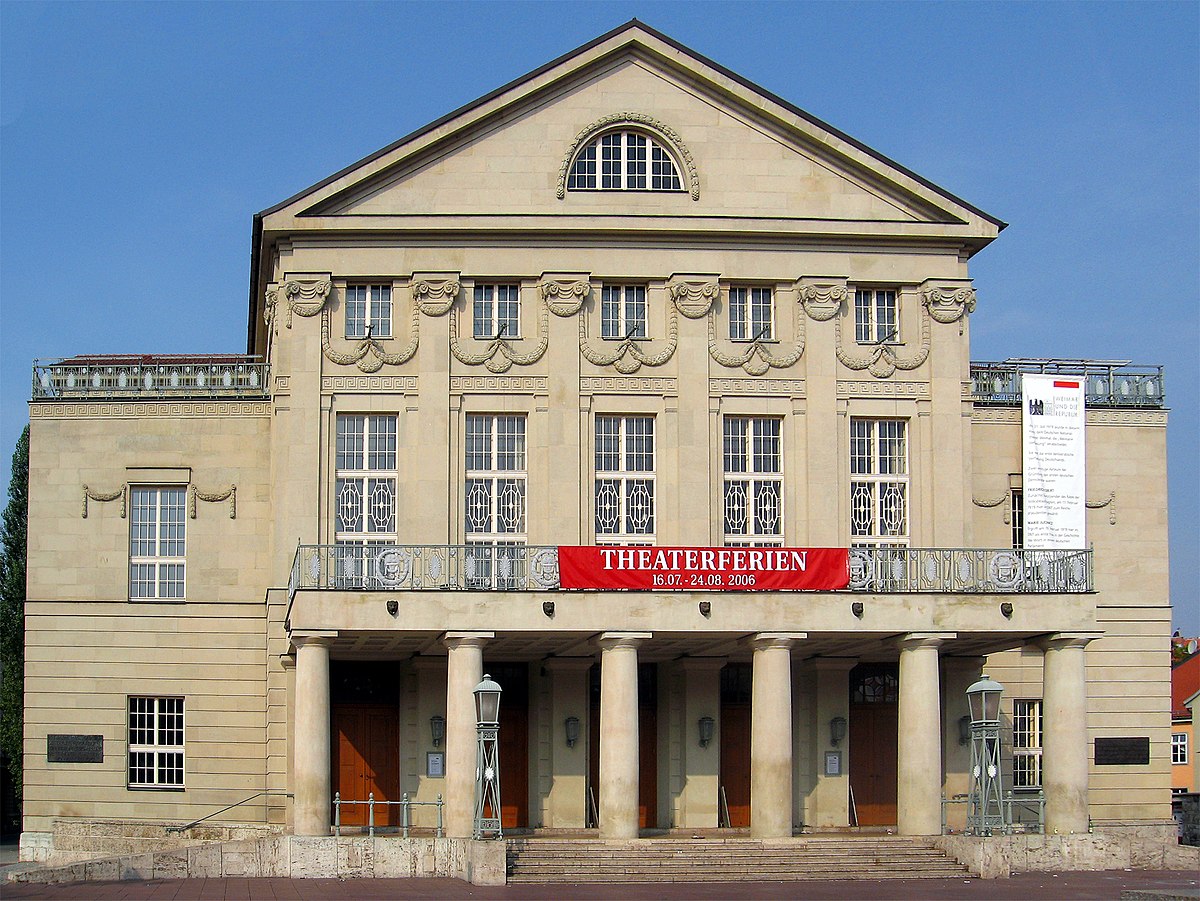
<point>13,545</point>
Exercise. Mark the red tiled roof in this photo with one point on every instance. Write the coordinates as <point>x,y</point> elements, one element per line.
<point>1185,682</point>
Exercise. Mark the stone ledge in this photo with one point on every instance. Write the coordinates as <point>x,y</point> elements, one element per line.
<point>999,856</point>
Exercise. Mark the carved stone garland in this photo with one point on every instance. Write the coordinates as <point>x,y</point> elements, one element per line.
<point>883,360</point>
<point>664,133</point>
<point>304,298</point>
<point>628,357</point>
<point>229,494</point>
<point>757,358</point>
<point>431,297</point>
<point>500,356</point>
<point>1110,502</point>
<point>103,497</point>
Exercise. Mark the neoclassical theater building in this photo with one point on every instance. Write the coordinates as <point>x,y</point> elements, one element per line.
<point>646,393</point>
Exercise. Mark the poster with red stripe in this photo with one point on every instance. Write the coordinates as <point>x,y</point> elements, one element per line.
<point>1053,461</point>
<point>704,568</point>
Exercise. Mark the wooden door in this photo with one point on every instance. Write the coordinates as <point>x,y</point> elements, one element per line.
<point>366,760</point>
<point>514,742</point>
<point>735,761</point>
<point>647,767</point>
<point>872,746</point>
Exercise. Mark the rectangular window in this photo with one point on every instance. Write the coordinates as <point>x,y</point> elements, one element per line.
<point>157,543</point>
<point>1179,748</point>
<point>625,480</point>
<point>753,481</point>
<point>751,314</point>
<point>365,497</point>
<point>495,501</point>
<point>368,311</point>
<point>875,320</point>
<point>878,482</point>
<point>1027,744</point>
<point>1016,517</point>
<point>155,742</point>
<point>497,310</point>
<point>623,312</point>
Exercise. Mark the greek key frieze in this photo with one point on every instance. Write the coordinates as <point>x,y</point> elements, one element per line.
<point>848,389</point>
<point>136,410</point>
<point>787,387</point>
<point>398,384</point>
<point>615,385</point>
<point>495,384</point>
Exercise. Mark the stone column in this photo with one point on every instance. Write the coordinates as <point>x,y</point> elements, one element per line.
<point>1064,733</point>
<point>771,735</point>
<point>619,745</point>
<point>919,746</point>
<point>311,765</point>
<point>464,670</point>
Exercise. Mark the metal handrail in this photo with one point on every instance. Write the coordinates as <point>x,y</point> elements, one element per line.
<point>223,809</point>
<point>1033,803</point>
<point>1106,383</point>
<point>151,376</point>
<point>724,809</point>
<point>405,804</point>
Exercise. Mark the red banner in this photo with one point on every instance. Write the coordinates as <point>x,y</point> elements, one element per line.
<point>704,568</point>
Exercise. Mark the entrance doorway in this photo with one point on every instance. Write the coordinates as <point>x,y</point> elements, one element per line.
<point>735,740</point>
<point>647,742</point>
<point>874,708</point>
<point>365,746</point>
<point>513,679</point>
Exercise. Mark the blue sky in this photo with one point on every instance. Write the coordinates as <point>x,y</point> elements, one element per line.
<point>138,139</point>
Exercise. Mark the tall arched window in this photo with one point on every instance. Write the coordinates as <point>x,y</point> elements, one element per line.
<point>624,161</point>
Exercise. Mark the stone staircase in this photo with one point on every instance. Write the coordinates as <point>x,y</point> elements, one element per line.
<point>591,860</point>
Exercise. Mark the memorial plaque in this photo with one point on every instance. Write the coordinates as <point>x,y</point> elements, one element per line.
<point>1122,751</point>
<point>75,749</point>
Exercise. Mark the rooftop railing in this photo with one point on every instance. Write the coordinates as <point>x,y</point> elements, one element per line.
<point>1107,383</point>
<point>150,377</point>
<point>876,570</point>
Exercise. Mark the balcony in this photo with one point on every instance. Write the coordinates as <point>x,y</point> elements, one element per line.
<point>1107,383</point>
<point>150,377</point>
<point>879,570</point>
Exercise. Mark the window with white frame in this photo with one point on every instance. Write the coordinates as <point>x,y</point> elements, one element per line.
<point>623,312</point>
<point>155,742</point>
<point>495,500</point>
<point>368,311</point>
<point>1016,517</point>
<point>1027,743</point>
<point>497,311</point>
<point>751,314</point>
<point>875,319</point>
<point>157,542</point>
<point>1179,748</point>
<point>624,161</point>
<point>625,480</point>
<point>753,481</point>
<point>878,481</point>
<point>365,502</point>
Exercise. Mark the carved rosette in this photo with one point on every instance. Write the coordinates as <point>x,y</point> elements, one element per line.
<point>103,497</point>
<point>435,296</point>
<point>229,494</point>
<point>664,133</point>
<point>883,360</point>
<point>693,295</point>
<point>948,303</point>
<point>304,297</point>
<point>499,356</point>
<point>564,296</point>
<point>628,356</point>
<point>821,302</point>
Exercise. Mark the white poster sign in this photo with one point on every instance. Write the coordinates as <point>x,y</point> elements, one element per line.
<point>1052,429</point>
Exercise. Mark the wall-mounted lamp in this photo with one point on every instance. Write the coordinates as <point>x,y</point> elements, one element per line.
<point>548,608</point>
<point>706,608</point>
<point>393,607</point>
<point>837,730</point>
<point>571,724</point>
<point>706,725</point>
<point>964,729</point>
<point>1007,610</point>
<point>437,729</point>
<point>857,609</point>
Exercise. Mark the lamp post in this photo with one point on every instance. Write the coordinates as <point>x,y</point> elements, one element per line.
<point>487,759</point>
<point>985,813</point>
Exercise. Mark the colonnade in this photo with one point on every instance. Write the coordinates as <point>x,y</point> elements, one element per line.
<point>919,746</point>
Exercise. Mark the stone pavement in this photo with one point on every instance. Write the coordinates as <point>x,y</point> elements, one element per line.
<point>1108,885</point>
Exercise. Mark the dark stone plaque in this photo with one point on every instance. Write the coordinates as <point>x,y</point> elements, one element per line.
<point>1122,751</point>
<point>75,749</point>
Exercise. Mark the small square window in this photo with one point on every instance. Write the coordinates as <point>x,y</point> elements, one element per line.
<point>751,314</point>
<point>875,316</point>
<point>497,311</point>
<point>368,311</point>
<point>623,312</point>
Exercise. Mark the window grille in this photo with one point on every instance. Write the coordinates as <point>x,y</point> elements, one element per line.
<point>625,480</point>
<point>368,311</point>
<point>497,311</point>
<point>1027,744</point>
<point>879,482</point>
<point>496,476</point>
<point>157,543</point>
<point>875,320</point>
<point>624,161</point>
<point>623,311</point>
<point>751,314</point>
<point>156,750</point>
<point>753,481</point>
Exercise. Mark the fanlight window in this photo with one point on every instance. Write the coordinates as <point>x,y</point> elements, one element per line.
<point>624,161</point>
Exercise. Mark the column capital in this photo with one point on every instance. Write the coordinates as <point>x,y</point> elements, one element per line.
<point>568,664</point>
<point>785,640</point>
<point>455,640</point>
<point>914,640</point>
<point>1062,640</point>
<point>610,640</point>
<point>319,639</point>
<point>702,664</point>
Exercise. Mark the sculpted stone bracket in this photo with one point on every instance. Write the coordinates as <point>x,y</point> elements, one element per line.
<point>304,297</point>
<point>564,293</point>
<point>822,296</point>
<point>664,133</point>
<point>229,494</point>
<point>948,300</point>
<point>693,295</point>
<point>103,497</point>
<point>434,293</point>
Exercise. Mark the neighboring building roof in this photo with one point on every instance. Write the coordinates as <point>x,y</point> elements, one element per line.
<point>1185,684</point>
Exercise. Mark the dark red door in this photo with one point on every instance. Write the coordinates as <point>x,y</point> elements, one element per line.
<point>873,736</point>
<point>736,679</point>
<point>366,761</point>
<point>514,742</point>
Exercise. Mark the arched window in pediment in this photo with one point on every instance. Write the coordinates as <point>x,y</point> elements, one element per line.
<point>628,152</point>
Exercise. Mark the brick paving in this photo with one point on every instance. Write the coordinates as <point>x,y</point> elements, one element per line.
<point>1096,886</point>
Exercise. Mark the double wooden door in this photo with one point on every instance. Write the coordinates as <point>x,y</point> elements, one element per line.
<point>366,761</point>
<point>735,761</point>
<point>874,730</point>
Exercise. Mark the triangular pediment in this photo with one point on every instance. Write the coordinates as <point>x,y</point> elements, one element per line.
<point>746,154</point>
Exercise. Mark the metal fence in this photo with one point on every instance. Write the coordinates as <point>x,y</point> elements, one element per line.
<point>405,804</point>
<point>970,570</point>
<point>1107,383</point>
<point>1024,812</point>
<point>150,377</point>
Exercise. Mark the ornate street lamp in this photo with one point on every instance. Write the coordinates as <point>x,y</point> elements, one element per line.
<point>487,759</point>
<point>985,813</point>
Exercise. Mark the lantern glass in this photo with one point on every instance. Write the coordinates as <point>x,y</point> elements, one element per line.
<point>983,700</point>
<point>572,728</point>
<point>487,701</point>
<point>706,727</point>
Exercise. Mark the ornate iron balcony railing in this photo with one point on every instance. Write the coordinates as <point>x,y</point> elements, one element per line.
<point>150,377</point>
<point>483,567</point>
<point>1107,383</point>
